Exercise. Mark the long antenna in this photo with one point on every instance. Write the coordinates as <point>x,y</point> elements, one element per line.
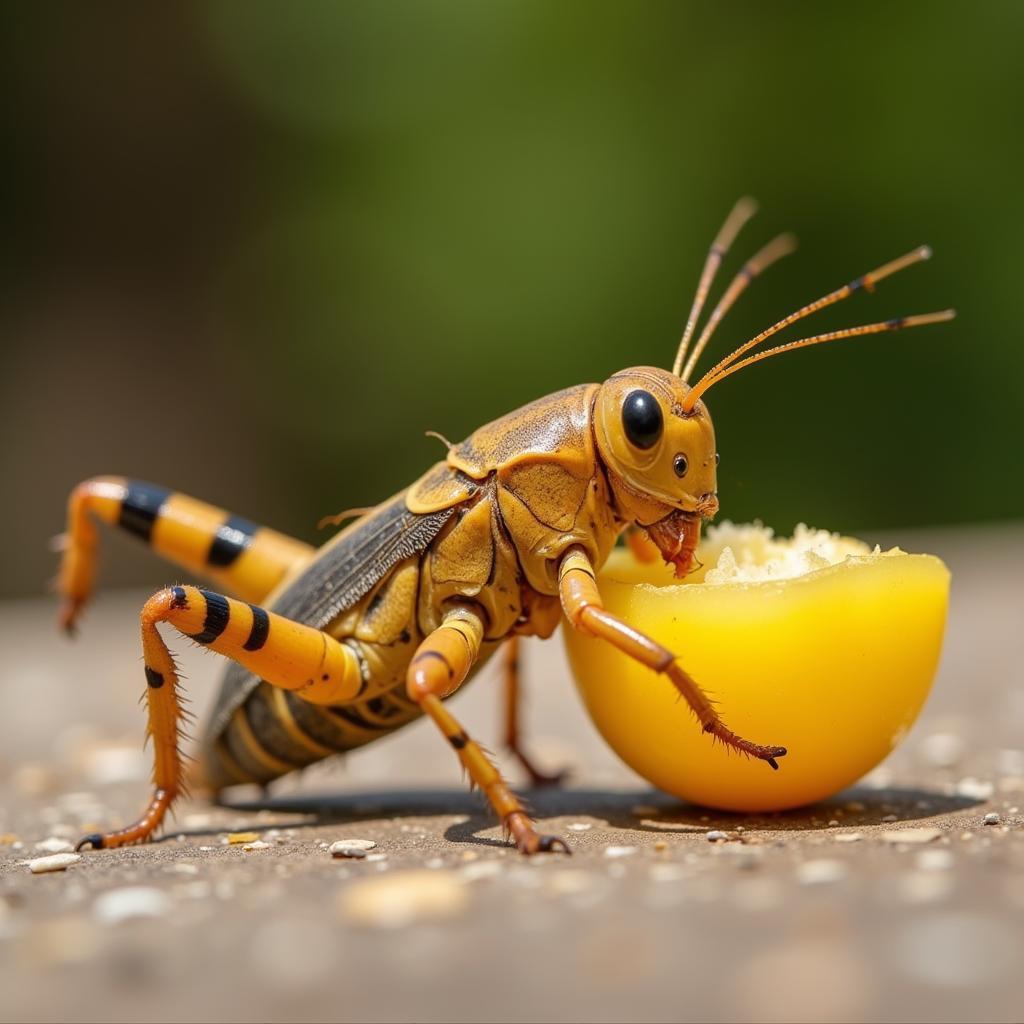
<point>867,281</point>
<point>898,324</point>
<point>740,214</point>
<point>778,247</point>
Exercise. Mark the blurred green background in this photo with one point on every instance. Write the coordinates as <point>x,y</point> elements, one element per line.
<point>253,250</point>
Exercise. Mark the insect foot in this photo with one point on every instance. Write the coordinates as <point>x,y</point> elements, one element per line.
<point>529,841</point>
<point>757,750</point>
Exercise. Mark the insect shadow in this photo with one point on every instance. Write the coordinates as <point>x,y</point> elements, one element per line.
<point>639,810</point>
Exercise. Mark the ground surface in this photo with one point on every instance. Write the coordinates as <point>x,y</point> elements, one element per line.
<point>816,915</point>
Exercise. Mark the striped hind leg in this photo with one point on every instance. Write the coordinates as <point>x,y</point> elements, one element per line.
<point>284,653</point>
<point>246,559</point>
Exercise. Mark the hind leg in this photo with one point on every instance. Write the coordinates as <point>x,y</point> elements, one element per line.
<point>246,559</point>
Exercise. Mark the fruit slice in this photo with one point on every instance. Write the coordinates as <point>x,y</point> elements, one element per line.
<point>816,643</point>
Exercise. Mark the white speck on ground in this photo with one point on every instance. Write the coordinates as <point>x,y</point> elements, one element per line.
<point>55,862</point>
<point>351,847</point>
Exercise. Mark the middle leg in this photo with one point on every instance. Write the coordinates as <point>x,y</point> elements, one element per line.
<point>438,669</point>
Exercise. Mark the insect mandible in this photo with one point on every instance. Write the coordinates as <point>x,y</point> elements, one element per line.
<point>333,648</point>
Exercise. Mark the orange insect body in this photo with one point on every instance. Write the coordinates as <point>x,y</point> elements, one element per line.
<point>501,539</point>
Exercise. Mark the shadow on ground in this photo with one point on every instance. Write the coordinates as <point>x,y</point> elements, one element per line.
<point>636,810</point>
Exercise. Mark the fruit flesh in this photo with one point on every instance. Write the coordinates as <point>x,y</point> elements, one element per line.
<point>834,664</point>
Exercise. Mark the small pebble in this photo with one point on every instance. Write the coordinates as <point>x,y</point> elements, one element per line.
<point>620,851</point>
<point>821,872</point>
<point>8,839</point>
<point>579,826</point>
<point>848,837</point>
<point>660,845</point>
<point>992,818</point>
<point>55,845</point>
<point>911,835</point>
<point>401,898</point>
<point>890,817</point>
<point>348,853</point>
<point>344,847</point>
<point>55,862</point>
<point>258,845</point>
<point>717,836</point>
<point>134,901</point>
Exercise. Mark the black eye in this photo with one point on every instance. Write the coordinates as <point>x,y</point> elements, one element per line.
<point>718,458</point>
<point>642,419</point>
<point>680,464</point>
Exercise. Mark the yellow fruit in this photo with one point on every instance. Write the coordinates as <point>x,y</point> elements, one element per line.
<point>816,643</point>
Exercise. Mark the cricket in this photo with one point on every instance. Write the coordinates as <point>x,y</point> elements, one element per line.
<point>335,647</point>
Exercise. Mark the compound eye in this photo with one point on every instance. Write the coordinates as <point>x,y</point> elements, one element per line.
<point>680,464</point>
<point>642,419</point>
<point>718,459</point>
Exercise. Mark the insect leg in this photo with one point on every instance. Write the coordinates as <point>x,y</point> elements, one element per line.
<point>438,669</point>
<point>513,701</point>
<point>247,559</point>
<point>581,601</point>
<point>284,653</point>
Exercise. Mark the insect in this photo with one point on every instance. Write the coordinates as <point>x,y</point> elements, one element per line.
<point>333,648</point>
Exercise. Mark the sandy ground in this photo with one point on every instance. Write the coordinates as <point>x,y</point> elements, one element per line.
<point>814,915</point>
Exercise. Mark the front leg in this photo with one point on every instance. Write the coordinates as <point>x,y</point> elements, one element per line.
<point>581,601</point>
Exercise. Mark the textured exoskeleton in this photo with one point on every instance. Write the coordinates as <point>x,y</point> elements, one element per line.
<point>336,647</point>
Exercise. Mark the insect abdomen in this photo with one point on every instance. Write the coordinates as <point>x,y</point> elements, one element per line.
<point>275,732</point>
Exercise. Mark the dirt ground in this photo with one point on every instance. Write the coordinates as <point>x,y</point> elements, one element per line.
<point>823,914</point>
